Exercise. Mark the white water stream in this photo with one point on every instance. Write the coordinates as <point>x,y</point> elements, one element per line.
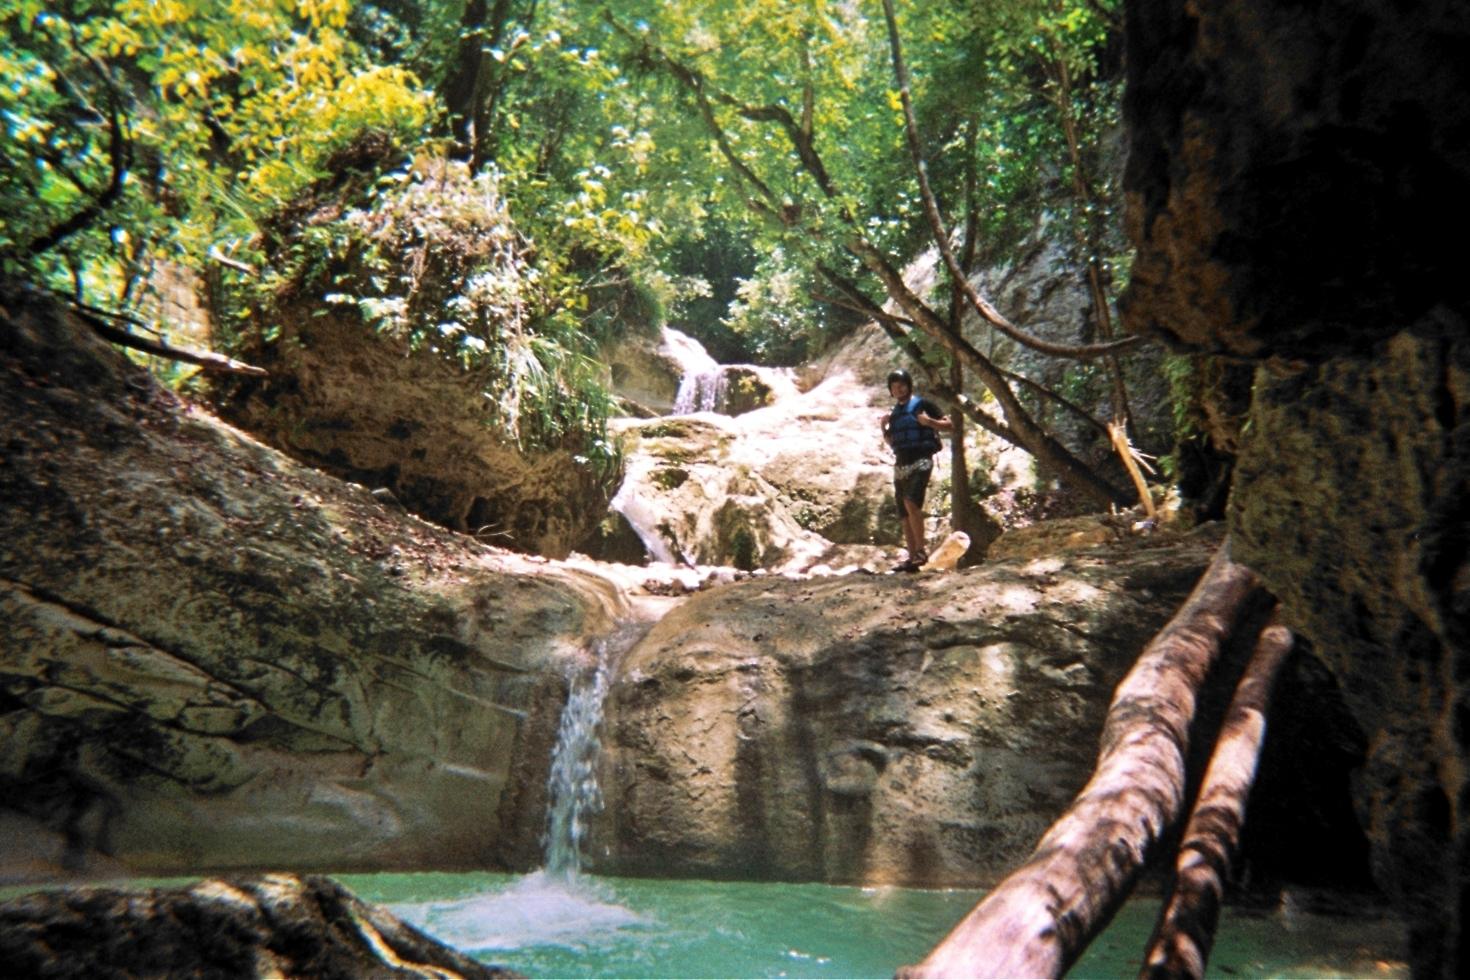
<point>572,791</point>
<point>702,379</point>
<point>573,796</point>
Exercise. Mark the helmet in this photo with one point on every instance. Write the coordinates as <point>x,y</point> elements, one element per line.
<point>899,374</point>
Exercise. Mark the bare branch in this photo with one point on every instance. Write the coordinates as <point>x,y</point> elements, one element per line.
<point>235,264</point>
<point>891,325</point>
<point>1034,438</point>
<point>1043,391</point>
<point>208,360</point>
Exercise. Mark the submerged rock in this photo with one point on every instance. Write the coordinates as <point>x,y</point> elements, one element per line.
<point>268,926</point>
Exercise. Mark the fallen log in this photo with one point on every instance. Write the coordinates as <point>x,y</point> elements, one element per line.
<point>1181,942</point>
<point>1040,918</point>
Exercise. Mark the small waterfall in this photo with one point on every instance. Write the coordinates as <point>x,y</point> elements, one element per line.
<point>641,516</point>
<point>573,795</point>
<point>702,380</point>
<point>701,393</point>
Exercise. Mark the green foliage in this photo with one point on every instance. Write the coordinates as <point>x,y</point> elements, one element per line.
<point>429,257</point>
<point>772,312</point>
<point>626,209</point>
<point>228,106</point>
<point>1188,377</point>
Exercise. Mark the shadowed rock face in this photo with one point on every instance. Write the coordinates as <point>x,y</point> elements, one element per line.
<point>890,729</point>
<point>267,926</point>
<point>1298,189</point>
<point>213,657</point>
<point>345,400</point>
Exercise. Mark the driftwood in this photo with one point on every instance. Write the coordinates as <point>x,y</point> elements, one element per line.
<point>1037,921</point>
<point>1181,942</point>
<point>1118,435</point>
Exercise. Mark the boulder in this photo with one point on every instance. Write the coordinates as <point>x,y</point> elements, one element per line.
<point>211,656</point>
<point>273,925</point>
<point>642,374</point>
<point>353,402</point>
<point>916,730</point>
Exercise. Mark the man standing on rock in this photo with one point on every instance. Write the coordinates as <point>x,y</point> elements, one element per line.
<point>912,430</point>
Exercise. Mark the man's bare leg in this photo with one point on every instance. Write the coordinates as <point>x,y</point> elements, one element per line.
<point>913,528</point>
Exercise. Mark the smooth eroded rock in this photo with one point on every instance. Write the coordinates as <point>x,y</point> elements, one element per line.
<point>274,925</point>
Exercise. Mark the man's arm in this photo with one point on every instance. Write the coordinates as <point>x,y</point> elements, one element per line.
<point>940,422</point>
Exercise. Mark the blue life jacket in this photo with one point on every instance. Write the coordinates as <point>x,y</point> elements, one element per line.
<point>907,434</point>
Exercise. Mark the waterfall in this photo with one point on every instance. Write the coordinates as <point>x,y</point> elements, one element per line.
<point>702,379</point>
<point>641,516</point>
<point>700,393</point>
<point>573,795</point>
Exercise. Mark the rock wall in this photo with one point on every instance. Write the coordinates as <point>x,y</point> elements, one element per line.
<point>212,657</point>
<point>1298,180</point>
<point>361,406</point>
<point>876,729</point>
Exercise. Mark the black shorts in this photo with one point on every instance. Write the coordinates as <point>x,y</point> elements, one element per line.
<point>911,486</point>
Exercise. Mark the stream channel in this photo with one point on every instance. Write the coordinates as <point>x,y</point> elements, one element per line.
<point>563,922</point>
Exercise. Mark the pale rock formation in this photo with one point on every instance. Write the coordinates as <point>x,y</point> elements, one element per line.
<point>211,656</point>
<point>916,730</point>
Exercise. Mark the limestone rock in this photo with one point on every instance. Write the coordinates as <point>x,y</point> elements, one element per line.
<point>353,403</point>
<point>645,377</point>
<point>919,730</point>
<point>213,656</point>
<point>1292,173</point>
<point>267,926</point>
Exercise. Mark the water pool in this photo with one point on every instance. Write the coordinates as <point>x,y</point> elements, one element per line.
<point>586,926</point>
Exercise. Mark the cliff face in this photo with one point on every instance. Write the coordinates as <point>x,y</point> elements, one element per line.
<point>1298,184</point>
<point>891,729</point>
<point>213,657</point>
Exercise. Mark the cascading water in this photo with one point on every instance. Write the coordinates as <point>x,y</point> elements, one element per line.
<point>555,905</point>
<point>641,516</point>
<point>701,393</point>
<point>573,795</point>
<point>702,380</point>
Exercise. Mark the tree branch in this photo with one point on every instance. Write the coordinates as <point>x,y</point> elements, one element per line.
<point>1038,921</point>
<point>1032,436</point>
<point>119,154</point>
<point>1028,434</point>
<point>890,325</point>
<point>208,360</point>
<point>941,235</point>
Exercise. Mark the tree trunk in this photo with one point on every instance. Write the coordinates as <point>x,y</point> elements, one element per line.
<point>1037,921</point>
<point>1186,930</point>
<point>471,87</point>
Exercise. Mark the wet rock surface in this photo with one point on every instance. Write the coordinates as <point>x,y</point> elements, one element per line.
<point>265,926</point>
<point>211,656</point>
<point>919,730</point>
